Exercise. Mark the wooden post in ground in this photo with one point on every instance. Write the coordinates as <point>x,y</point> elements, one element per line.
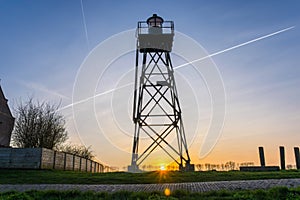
<point>262,156</point>
<point>54,159</point>
<point>297,157</point>
<point>282,157</point>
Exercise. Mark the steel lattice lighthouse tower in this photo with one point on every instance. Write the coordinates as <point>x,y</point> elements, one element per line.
<point>156,109</point>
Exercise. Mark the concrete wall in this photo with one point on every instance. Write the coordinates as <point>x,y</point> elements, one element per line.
<point>59,159</point>
<point>26,158</point>
<point>77,163</point>
<point>47,158</point>
<point>40,158</point>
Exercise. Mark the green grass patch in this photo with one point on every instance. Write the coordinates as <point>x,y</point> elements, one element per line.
<point>273,193</point>
<point>71,177</point>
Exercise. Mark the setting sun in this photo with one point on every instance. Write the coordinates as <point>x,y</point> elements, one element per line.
<point>162,168</point>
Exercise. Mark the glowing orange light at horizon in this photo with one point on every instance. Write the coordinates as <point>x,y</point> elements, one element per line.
<point>162,168</point>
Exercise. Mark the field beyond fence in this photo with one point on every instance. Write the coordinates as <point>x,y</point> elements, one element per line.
<point>76,177</point>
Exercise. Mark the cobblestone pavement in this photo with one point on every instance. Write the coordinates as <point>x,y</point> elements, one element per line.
<point>192,187</point>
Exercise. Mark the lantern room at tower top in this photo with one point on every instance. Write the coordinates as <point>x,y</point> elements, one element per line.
<point>155,34</point>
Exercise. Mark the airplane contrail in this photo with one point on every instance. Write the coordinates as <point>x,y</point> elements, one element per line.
<point>90,98</point>
<point>84,25</point>
<point>183,65</point>
<point>236,46</point>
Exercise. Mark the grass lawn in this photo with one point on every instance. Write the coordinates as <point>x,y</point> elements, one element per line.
<point>71,177</point>
<point>273,193</point>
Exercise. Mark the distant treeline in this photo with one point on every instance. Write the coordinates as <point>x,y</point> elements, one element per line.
<point>230,165</point>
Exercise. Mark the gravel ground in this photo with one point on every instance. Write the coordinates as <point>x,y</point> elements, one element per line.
<point>192,187</point>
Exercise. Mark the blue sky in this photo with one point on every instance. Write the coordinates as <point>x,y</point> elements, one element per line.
<point>43,44</point>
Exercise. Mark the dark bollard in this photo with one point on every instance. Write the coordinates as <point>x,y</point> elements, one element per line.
<point>297,157</point>
<point>262,156</point>
<point>282,157</point>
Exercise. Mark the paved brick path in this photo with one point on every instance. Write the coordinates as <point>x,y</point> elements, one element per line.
<point>193,187</point>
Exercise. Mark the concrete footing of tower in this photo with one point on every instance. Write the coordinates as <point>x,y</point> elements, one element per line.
<point>134,169</point>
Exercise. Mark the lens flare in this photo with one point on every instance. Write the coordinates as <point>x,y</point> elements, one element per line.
<point>167,192</point>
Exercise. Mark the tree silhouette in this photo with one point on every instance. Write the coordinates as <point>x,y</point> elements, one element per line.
<point>78,150</point>
<point>230,165</point>
<point>38,125</point>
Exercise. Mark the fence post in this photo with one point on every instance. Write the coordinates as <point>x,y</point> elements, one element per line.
<point>297,157</point>
<point>41,158</point>
<point>54,159</point>
<point>91,166</point>
<point>86,165</point>
<point>80,164</point>
<point>73,162</point>
<point>282,157</point>
<point>65,160</point>
<point>262,156</point>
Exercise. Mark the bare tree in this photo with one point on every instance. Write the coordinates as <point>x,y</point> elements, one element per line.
<point>78,150</point>
<point>207,166</point>
<point>38,125</point>
<point>199,167</point>
<point>230,165</point>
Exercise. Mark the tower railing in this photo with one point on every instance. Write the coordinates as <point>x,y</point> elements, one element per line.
<point>167,27</point>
